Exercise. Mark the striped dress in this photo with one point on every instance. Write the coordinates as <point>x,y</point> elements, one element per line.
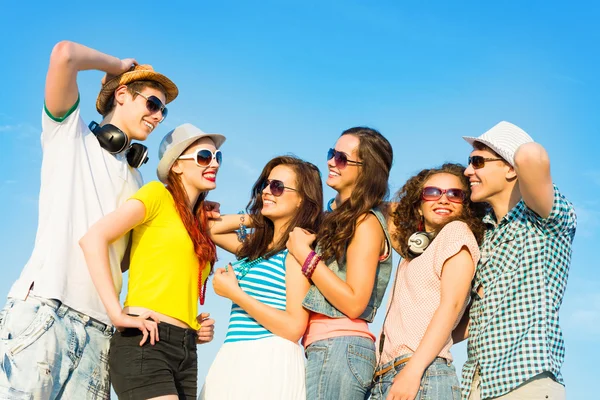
<point>265,281</point>
<point>254,363</point>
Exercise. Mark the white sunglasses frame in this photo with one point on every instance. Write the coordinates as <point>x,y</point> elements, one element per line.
<point>194,157</point>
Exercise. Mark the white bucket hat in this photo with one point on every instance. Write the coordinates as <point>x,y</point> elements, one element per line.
<point>174,144</point>
<point>504,138</point>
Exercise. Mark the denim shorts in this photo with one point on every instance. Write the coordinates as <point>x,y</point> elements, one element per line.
<point>169,367</point>
<point>340,368</point>
<point>439,382</point>
<point>50,351</point>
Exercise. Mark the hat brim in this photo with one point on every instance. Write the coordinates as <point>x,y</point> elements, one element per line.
<point>171,155</point>
<point>107,91</point>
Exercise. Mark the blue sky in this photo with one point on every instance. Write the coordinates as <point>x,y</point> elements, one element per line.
<point>288,77</point>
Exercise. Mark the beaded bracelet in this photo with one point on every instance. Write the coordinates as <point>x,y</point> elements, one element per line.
<point>242,233</point>
<point>306,264</point>
<point>312,266</point>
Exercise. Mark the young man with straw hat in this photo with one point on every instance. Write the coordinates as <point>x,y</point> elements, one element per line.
<point>54,331</point>
<point>515,348</point>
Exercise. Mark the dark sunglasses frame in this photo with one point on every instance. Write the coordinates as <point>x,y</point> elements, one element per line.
<point>276,187</point>
<point>478,162</point>
<point>341,159</point>
<point>453,195</point>
<point>207,157</point>
<point>154,105</point>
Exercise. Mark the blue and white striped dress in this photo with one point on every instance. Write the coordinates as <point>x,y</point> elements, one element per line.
<point>272,368</point>
<point>265,281</point>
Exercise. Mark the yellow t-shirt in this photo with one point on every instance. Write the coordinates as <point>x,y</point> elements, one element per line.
<point>163,272</point>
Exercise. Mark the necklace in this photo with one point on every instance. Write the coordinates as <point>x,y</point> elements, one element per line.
<point>243,266</point>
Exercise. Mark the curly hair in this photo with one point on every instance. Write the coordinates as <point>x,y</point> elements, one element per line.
<point>370,190</point>
<point>406,215</point>
<point>308,216</point>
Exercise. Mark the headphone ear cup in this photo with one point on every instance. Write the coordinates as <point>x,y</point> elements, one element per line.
<point>418,242</point>
<point>137,155</point>
<point>111,138</point>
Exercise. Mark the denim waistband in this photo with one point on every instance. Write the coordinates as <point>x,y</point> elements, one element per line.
<point>63,310</point>
<point>169,333</point>
<point>390,365</point>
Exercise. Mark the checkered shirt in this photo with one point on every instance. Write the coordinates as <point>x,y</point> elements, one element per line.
<point>514,331</point>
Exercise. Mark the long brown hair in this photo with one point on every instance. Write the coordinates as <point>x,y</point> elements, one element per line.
<point>195,221</point>
<point>308,216</point>
<point>406,215</point>
<point>370,190</point>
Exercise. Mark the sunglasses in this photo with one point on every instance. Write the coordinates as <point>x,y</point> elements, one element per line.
<point>340,159</point>
<point>204,157</point>
<point>276,187</point>
<point>154,105</point>
<point>432,193</point>
<point>479,162</point>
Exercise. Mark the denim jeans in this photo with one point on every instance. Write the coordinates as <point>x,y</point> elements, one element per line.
<point>50,351</point>
<point>439,382</point>
<point>340,368</point>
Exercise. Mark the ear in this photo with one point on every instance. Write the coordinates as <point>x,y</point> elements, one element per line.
<point>176,167</point>
<point>121,94</point>
<point>511,174</point>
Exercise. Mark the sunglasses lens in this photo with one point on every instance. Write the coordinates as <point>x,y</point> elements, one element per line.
<point>219,156</point>
<point>455,195</point>
<point>341,161</point>
<point>477,162</point>
<point>154,105</point>
<point>276,188</point>
<point>330,154</point>
<point>203,158</point>
<point>431,193</point>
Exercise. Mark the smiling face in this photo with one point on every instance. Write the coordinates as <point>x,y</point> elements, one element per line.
<point>343,180</point>
<point>285,206</point>
<point>493,180</point>
<point>132,115</point>
<point>192,175</point>
<point>437,212</point>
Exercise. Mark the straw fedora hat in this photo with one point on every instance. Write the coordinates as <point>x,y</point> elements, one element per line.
<point>138,73</point>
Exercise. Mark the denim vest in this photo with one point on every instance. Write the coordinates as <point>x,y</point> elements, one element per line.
<point>316,302</point>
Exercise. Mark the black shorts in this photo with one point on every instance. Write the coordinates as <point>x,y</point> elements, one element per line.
<point>169,367</point>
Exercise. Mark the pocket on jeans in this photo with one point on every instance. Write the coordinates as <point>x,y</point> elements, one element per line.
<point>361,361</point>
<point>13,394</point>
<point>24,324</point>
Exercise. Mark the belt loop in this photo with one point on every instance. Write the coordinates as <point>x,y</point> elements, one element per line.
<point>62,310</point>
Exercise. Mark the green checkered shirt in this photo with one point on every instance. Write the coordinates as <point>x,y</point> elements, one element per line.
<point>514,331</point>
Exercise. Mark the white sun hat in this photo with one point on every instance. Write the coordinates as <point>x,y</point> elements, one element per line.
<point>504,138</point>
<point>174,144</point>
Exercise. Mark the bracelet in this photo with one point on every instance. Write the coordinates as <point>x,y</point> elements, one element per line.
<point>242,233</point>
<point>307,262</point>
<point>310,264</point>
<point>313,266</point>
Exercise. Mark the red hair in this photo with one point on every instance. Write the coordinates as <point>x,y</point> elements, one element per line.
<point>196,223</point>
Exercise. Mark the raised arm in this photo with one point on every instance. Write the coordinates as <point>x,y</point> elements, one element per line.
<point>457,272</point>
<point>95,245</point>
<point>66,60</point>
<point>289,324</point>
<point>222,231</point>
<point>532,166</point>
<point>362,257</point>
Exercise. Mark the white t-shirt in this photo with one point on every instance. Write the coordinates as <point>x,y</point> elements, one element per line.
<point>80,183</point>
